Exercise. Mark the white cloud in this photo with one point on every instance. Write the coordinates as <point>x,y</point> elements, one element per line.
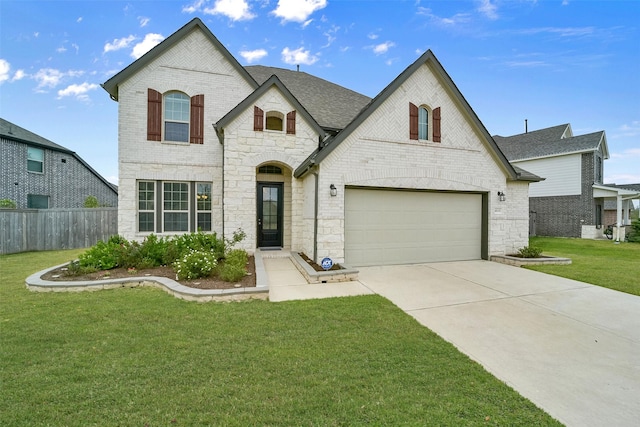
<point>372,36</point>
<point>488,9</point>
<point>297,10</point>
<point>50,77</point>
<point>119,44</point>
<point>330,34</point>
<point>144,21</point>
<point>149,42</point>
<point>236,10</point>
<point>457,19</point>
<point>298,56</point>
<point>381,48</point>
<point>628,130</point>
<point>253,55</point>
<point>79,19</point>
<point>18,75</point>
<point>78,91</point>
<point>5,67</point>
<point>61,49</point>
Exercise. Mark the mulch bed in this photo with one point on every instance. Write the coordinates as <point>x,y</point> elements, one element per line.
<point>248,281</point>
<point>315,265</point>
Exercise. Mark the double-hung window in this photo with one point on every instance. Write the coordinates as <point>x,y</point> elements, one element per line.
<point>176,206</point>
<point>146,206</point>
<point>35,159</point>
<point>176,117</point>
<point>203,206</point>
<point>423,123</point>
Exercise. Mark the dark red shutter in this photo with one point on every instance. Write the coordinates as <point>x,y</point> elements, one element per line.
<point>154,115</point>
<point>413,121</point>
<point>291,123</point>
<point>258,119</point>
<point>437,135</point>
<point>197,120</point>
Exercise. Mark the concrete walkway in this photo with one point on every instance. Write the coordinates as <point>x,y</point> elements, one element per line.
<point>571,348</point>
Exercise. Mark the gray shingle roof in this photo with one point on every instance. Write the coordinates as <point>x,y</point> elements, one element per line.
<point>14,132</point>
<point>632,187</point>
<point>547,142</point>
<point>331,105</point>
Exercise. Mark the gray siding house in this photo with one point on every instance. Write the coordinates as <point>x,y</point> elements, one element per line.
<point>40,174</point>
<point>570,202</point>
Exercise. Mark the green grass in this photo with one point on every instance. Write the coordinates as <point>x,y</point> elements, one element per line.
<point>135,357</point>
<point>599,262</point>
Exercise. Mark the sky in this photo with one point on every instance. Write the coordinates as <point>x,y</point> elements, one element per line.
<point>549,62</point>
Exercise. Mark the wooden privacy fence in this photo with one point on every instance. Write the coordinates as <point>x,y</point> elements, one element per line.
<point>53,229</point>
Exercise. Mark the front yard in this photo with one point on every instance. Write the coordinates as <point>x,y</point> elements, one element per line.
<point>141,357</point>
<point>599,262</point>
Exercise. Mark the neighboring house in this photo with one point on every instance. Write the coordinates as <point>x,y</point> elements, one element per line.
<point>40,174</point>
<point>300,163</point>
<point>570,202</point>
<point>610,206</point>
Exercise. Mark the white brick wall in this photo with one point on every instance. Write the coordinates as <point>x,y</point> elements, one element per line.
<point>380,154</point>
<point>192,66</point>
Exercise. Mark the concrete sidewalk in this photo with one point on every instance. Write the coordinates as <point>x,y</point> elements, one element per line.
<point>286,283</point>
<point>570,347</point>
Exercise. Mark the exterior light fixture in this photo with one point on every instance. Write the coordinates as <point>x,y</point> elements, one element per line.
<point>333,190</point>
<point>502,196</point>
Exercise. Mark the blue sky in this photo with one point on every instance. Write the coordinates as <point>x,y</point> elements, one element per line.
<point>547,61</point>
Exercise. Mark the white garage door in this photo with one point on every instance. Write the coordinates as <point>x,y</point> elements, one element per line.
<point>402,227</point>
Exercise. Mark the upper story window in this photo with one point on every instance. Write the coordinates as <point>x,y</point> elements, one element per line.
<point>37,201</point>
<point>35,159</point>
<point>598,170</point>
<point>424,123</point>
<point>274,120</point>
<point>176,117</point>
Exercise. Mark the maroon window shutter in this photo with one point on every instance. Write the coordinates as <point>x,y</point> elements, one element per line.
<point>436,125</point>
<point>413,121</point>
<point>291,123</point>
<point>258,119</point>
<point>154,115</point>
<point>197,120</point>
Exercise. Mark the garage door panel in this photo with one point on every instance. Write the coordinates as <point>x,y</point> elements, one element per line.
<point>395,227</point>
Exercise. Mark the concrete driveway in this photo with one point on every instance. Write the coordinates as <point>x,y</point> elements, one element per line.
<point>571,348</point>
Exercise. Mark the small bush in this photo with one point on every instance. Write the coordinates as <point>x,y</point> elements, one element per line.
<point>199,241</point>
<point>195,264</point>
<point>91,202</point>
<point>235,266</point>
<point>634,235</point>
<point>7,204</point>
<point>75,269</point>
<point>530,252</point>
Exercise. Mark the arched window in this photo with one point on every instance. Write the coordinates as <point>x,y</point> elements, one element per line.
<point>274,120</point>
<point>176,117</point>
<point>423,123</point>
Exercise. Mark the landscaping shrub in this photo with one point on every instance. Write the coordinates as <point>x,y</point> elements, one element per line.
<point>195,264</point>
<point>7,204</point>
<point>634,235</point>
<point>235,266</point>
<point>199,241</point>
<point>91,202</point>
<point>530,252</point>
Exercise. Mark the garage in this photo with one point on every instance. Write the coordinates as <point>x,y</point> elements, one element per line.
<point>384,227</point>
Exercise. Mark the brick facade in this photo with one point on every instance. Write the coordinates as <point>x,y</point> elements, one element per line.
<point>65,180</point>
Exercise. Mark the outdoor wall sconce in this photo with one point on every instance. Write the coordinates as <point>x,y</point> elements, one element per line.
<point>333,190</point>
<point>502,196</point>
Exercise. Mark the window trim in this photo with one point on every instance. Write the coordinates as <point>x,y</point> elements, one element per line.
<point>425,125</point>
<point>183,100</point>
<point>274,114</point>
<point>176,211</point>
<point>198,200</point>
<point>152,211</point>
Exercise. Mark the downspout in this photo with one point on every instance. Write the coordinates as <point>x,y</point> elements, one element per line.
<point>315,219</point>
<point>220,134</point>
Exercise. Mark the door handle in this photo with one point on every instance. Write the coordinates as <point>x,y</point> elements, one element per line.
<point>259,222</point>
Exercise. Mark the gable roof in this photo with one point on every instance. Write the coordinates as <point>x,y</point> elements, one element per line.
<point>550,142</point>
<point>111,85</point>
<point>331,105</point>
<point>16,133</point>
<point>427,58</point>
<point>254,96</point>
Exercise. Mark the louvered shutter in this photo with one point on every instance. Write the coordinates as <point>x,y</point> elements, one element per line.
<point>413,121</point>
<point>258,119</point>
<point>197,120</point>
<point>154,115</point>
<point>437,136</point>
<point>291,123</point>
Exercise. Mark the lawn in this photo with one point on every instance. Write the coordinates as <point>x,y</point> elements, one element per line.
<point>599,262</point>
<point>141,357</point>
